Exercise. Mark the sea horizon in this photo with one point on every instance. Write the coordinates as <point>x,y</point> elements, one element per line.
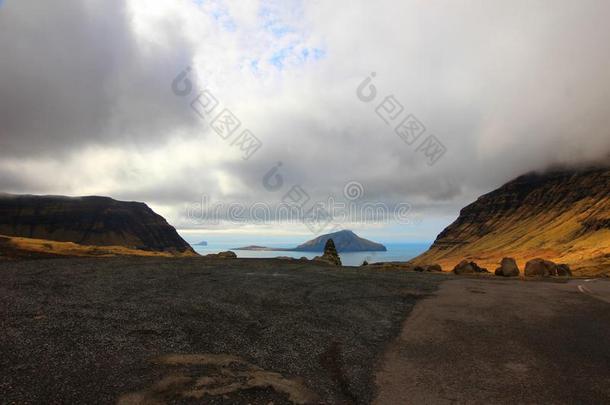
<point>395,251</point>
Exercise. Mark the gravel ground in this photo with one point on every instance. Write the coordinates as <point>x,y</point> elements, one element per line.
<point>101,330</point>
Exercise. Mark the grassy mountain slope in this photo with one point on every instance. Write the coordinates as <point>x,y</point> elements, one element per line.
<point>562,215</point>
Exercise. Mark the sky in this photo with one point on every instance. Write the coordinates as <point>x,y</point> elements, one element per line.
<point>411,108</point>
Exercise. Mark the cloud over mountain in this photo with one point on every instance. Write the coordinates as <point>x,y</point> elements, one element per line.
<point>87,105</point>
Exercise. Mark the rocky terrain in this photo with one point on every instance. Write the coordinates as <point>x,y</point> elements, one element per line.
<point>88,221</point>
<point>561,215</point>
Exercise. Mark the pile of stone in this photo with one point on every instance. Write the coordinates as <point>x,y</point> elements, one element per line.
<point>330,255</point>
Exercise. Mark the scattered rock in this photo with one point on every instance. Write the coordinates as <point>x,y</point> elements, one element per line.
<point>546,268</point>
<point>330,255</point>
<point>222,255</point>
<point>508,268</point>
<point>466,267</point>
<point>430,268</point>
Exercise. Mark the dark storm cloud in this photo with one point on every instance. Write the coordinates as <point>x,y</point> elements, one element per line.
<point>73,73</point>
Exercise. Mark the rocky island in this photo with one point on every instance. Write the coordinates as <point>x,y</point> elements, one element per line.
<point>344,241</point>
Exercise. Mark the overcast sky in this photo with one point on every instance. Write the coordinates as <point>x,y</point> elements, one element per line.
<point>506,87</point>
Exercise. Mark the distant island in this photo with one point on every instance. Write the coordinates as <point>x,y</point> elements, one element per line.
<point>256,247</point>
<point>202,243</point>
<point>345,241</point>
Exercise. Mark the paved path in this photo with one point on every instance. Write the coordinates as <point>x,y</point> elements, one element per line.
<point>503,341</point>
<point>596,288</point>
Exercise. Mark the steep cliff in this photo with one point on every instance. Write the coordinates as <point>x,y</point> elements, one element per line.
<point>561,215</point>
<point>97,221</point>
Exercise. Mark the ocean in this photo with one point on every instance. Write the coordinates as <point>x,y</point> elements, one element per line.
<point>396,252</point>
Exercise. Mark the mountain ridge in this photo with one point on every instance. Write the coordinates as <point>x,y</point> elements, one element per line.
<point>561,215</point>
<point>88,220</point>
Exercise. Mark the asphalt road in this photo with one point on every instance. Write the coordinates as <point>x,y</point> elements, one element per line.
<point>494,341</point>
<point>596,288</point>
<point>137,330</point>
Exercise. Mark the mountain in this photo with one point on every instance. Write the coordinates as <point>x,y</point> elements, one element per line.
<point>560,215</point>
<point>91,221</point>
<point>345,241</point>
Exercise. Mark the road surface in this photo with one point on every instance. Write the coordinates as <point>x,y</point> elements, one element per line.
<point>482,341</point>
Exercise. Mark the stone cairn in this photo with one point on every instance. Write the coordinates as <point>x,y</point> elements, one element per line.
<point>330,254</point>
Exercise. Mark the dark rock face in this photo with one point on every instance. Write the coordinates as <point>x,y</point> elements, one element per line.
<point>99,221</point>
<point>508,268</point>
<point>546,268</point>
<point>330,254</point>
<point>466,267</point>
<point>345,241</point>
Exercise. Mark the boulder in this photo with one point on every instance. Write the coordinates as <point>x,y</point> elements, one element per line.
<point>546,268</point>
<point>330,255</point>
<point>466,267</point>
<point>563,270</point>
<point>508,268</point>
<point>434,268</point>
